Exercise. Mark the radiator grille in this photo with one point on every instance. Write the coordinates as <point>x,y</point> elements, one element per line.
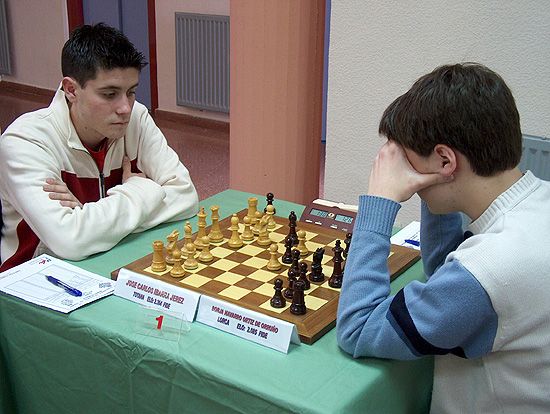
<point>5,67</point>
<point>536,156</point>
<point>202,59</point>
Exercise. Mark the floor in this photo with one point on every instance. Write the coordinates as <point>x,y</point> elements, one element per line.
<point>204,151</point>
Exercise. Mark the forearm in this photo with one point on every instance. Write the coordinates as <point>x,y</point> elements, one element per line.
<point>439,235</point>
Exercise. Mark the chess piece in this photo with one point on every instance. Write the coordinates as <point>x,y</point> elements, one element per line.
<point>271,222</point>
<point>292,228</point>
<point>289,291</point>
<point>252,208</point>
<point>158,264</point>
<point>205,256</point>
<point>263,233</point>
<point>247,235</point>
<point>190,263</point>
<point>256,226</point>
<point>302,243</point>
<point>316,274</point>
<point>171,239</point>
<point>303,275</point>
<point>187,238</point>
<point>278,300</point>
<point>335,280</point>
<point>215,234</point>
<point>235,240</point>
<point>201,222</point>
<point>298,305</point>
<point>177,269</point>
<point>269,202</point>
<point>273,263</point>
<point>287,256</point>
<point>295,259</point>
<point>347,241</point>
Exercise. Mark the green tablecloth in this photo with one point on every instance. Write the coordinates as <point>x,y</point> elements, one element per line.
<point>93,361</point>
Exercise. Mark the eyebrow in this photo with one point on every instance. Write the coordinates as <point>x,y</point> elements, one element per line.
<point>108,87</point>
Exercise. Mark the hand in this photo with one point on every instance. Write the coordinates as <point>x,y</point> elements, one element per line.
<point>393,177</point>
<point>127,170</point>
<point>58,191</point>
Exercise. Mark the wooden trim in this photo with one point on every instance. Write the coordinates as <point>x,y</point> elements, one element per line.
<point>152,28</point>
<point>161,115</point>
<point>31,92</point>
<point>75,14</point>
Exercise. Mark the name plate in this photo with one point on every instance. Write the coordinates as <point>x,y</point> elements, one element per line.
<point>156,294</point>
<point>253,326</point>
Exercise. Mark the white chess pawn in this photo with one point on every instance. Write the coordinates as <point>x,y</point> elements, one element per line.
<point>302,243</point>
<point>235,240</point>
<point>270,211</point>
<point>273,263</point>
<point>190,263</point>
<point>177,269</point>
<point>205,255</point>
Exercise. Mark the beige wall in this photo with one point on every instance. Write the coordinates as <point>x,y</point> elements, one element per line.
<point>166,45</point>
<point>378,49</point>
<point>37,31</point>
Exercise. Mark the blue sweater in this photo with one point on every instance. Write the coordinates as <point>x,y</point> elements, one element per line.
<point>451,313</point>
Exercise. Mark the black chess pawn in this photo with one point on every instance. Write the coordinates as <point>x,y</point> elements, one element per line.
<point>347,241</point>
<point>278,300</point>
<point>303,275</point>
<point>316,274</point>
<point>292,235</point>
<point>335,280</point>
<point>289,291</point>
<point>298,305</point>
<point>295,260</point>
<point>287,255</point>
<point>269,202</point>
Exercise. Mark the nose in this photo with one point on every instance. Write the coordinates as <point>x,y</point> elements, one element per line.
<point>124,106</point>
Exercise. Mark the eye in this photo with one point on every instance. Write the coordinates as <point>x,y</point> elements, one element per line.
<point>109,95</point>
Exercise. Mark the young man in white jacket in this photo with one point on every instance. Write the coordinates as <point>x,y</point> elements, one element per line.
<point>78,176</point>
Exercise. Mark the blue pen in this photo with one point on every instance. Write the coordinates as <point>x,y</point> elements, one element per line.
<point>413,242</point>
<point>70,290</point>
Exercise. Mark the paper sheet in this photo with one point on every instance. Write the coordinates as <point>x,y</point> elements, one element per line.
<point>409,236</point>
<point>28,282</point>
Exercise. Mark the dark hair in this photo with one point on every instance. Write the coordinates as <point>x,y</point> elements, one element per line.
<point>93,47</point>
<point>465,106</point>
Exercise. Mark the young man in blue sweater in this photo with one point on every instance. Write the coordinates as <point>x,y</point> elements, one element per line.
<point>454,139</point>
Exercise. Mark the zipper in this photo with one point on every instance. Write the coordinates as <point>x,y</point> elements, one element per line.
<point>101,185</point>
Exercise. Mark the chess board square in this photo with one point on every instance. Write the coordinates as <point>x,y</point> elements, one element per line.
<point>277,237</point>
<point>325,285</point>
<point>200,267</point>
<point>220,252</point>
<point>195,280</point>
<point>327,258</point>
<point>229,278</point>
<point>281,248</point>
<point>243,270</point>
<point>251,250</point>
<point>326,294</point>
<point>310,235</point>
<point>252,299</point>
<point>266,305</point>
<point>210,272</point>
<point>313,302</point>
<point>237,257</point>
<point>234,292</point>
<point>214,286</point>
<point>224,264</point>
<point>264,255</point>
<point>261,275</point>
<point>256,262</point>
<point>324,240</point>
<point>312,246</point>
<point>248,284</point>
<point>265,289</point>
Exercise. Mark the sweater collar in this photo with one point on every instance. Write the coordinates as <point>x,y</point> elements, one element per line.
<point>505,202</point>
<point>60,109</point>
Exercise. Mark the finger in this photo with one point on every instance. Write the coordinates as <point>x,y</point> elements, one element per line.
<point>71,204</point>
<point>126,165</point>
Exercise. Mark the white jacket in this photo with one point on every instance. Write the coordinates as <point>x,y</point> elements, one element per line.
<point>44,144</point>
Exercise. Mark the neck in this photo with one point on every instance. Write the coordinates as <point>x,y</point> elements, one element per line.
<point>480,192</point>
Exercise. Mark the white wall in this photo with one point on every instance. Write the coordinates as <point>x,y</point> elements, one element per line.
<point>378,49</point>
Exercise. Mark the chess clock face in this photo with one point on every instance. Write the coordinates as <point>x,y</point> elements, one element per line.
<point>331,217</point>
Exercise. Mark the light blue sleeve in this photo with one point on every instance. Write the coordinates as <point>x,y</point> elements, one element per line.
<point>451,313</point>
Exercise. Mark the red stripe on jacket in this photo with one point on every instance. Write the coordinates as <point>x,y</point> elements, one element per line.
<point>85,189</point>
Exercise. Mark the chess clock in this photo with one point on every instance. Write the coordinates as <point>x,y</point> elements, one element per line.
<point>329,214</point>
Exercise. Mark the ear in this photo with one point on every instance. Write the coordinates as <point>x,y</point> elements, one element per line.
<point>446,159</point>
<point>70,87</point>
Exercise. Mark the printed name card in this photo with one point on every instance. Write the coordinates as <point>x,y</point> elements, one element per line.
<point>253,326</point>
<point>157,294</point>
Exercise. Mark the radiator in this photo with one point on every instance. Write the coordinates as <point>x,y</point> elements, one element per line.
<point>202,60</point>
<point>5,67</point>
<point>536,156</point>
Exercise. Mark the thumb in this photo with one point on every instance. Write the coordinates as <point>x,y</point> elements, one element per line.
<point>435,178</point>
<point>126,166</point>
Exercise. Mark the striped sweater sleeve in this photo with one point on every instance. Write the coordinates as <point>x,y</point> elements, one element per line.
<point>451,313</point>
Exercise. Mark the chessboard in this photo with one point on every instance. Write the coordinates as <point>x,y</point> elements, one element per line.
<point>240,275</point>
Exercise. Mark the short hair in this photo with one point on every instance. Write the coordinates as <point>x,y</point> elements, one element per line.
<point>94,47</point>
<point>465,106</point>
